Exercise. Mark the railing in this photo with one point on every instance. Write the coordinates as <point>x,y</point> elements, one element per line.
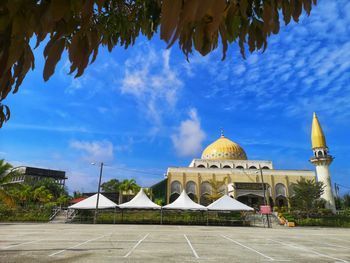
<point>71,214</point>
<point>55,211</point>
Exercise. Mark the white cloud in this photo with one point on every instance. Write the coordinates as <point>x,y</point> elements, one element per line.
<point>63,129</point>
<point>94,151</point>
<point>301,75</point>
<point>149,78</point>
<point>189,137</point>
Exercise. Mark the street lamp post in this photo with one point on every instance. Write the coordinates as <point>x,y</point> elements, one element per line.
<point>98,191</point>
<point>265,202</point>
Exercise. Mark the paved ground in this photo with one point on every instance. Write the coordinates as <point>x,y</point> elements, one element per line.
<point>153,243</point>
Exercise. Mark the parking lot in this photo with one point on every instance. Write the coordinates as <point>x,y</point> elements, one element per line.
<point>161,243</point>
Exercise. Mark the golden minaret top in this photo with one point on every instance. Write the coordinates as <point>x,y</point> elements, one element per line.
<point>317,136</point>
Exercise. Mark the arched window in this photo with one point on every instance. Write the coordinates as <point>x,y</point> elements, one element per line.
<point>239,167</point>
<point>320,153</point>
<point>265,167</point>
<point>205,188</point>
<point>252,167</point>
<point>280,190</point>
<point>213,166</point>
<point>176,187</point>
<point>201,166</point>
<point>191,187</point>
<point>227,166</point>
<point>193,197</point>
<point>173,197</point>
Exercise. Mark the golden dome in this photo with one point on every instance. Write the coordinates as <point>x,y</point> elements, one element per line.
<point>318,139</point>
<point>224,149</point>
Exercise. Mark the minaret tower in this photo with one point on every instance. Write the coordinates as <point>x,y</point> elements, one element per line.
<point>322,160</point>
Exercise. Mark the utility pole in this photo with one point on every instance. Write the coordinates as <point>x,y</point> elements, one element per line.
<point>98,192</point>
<point>265,202</point>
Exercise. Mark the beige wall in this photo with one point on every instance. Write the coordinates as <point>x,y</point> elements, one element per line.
<point>271,177</point>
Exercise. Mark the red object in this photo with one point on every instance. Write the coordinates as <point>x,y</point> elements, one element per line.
<point>265,209</point>
<point>77,200</point>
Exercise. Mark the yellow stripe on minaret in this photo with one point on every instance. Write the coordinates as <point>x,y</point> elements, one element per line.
<point>317,136</point>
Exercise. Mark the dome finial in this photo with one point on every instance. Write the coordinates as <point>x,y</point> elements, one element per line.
<point>222,132</point>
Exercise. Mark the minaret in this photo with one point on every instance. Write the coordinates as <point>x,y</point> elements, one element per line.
<point>322,160</point>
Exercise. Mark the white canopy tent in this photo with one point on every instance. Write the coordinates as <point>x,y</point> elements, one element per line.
<point>90,203</point>
<point>183,202</point>
<point>226,203</point>
<point>140,201</point>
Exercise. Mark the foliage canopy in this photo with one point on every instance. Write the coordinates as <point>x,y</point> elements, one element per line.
<point>307,194</point>
<point>82,26</point>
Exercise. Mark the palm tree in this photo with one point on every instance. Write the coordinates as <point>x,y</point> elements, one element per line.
<point>5,176</point>
<point>218,189</point>
<point>4,168</point>
<point>23,194</point>
<point>126,186</point>
<point>42,194</point>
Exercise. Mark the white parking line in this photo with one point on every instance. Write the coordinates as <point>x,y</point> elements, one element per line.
<point>189,243</point>
<point>30,242</point>
<point>308,250</point>
<point>78,245</point>
<point>136,245</point>
<point>252,249</point>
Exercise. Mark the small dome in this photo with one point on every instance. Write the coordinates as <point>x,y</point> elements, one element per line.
<point>224,149</point>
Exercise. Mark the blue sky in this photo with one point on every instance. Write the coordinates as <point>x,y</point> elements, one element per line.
<point>144,109</point>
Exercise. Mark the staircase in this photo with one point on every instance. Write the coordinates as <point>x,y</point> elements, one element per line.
<point>59,216</point>
<point>259,220</point>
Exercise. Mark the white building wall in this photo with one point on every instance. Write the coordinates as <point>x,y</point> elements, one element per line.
<point>323,175</point>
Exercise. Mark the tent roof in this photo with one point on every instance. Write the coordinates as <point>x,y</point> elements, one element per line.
<point>140,201</point>
<point>226,203</point>
<point>183,202</point>
<point>90,203</point>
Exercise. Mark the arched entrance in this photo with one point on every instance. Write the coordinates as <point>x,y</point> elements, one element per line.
<point>281,201</point>
<point>281,196</point>
<point>251,200</point>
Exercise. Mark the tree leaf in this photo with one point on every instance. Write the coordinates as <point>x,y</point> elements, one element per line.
<point>53,56</point>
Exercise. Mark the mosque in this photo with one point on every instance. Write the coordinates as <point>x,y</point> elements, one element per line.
<point>225,168</point>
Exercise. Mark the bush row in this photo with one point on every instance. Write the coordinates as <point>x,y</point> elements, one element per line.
<point>29,214</point>
<point>329,221</point>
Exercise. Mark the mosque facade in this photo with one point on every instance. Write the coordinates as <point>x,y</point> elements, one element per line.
<point>225,168</point>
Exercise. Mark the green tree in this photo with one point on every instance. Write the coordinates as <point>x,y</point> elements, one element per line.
<point>51,185</point>
<point>82,26</point>
<point>218,189</point>
<point>111,186</point>
<point>22,194</point>
<point>62,200</point>
<point>346,201</point>
<point>5,167</point>
<point>42,195</point>
<point>77,194</point>
<point>126,186</point>
<point>5,176</point>
<point>307,195</point>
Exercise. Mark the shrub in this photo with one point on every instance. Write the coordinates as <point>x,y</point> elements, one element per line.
<point>329,221</point>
